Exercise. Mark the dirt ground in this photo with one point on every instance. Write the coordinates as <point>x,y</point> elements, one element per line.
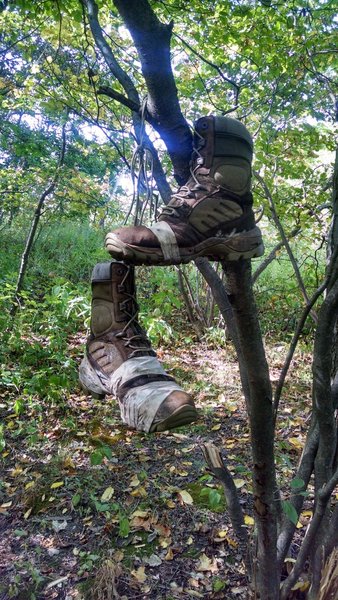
<point>90,510</point>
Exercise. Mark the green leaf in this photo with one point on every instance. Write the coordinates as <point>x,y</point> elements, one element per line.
<point>96,457</point>
<point>297,483</point>
<point>218,585</point>
<point>124,527</point>
<point>214,498</point>
<point>290,511</point>
<point>76,499</point>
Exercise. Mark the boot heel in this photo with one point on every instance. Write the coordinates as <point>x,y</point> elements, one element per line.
<point>89,381</point>
<point>88,392</point>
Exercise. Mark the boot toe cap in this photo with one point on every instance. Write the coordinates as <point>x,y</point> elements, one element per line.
<point>177,409</point>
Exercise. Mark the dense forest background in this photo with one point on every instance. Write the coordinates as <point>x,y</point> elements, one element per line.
<point>81,144</point>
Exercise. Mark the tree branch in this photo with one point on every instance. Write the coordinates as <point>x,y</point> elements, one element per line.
<point>268,259</point>
<point>323,499</point>
<point>280,228</point>
<point>152,41</point>
<point>221,472</point>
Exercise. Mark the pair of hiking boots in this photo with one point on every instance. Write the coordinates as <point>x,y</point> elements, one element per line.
<point>210,216</point>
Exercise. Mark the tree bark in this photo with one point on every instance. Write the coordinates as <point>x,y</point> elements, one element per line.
<point>261,424</point>
<point>152,41</point>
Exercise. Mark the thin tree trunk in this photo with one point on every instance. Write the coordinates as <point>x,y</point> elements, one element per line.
<point>262,427</point>
<point>285,240</point>
<point>272,255</point>
<point>34,225</point>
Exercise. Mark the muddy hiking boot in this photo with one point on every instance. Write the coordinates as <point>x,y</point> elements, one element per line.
<point>211,215</point>
<point>119,359</point>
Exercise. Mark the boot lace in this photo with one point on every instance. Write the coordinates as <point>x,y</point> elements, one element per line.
<point>140,337</point>
<point>189,190</point>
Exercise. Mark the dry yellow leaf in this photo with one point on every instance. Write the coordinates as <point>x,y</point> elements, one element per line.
<point>17,471</point>
<point>248,520</point>
<point>29,485</point>
<point>170,504</point>
<point>295,442</point>
<point>107,494</point>
<point>27,513</point>
<point>134,482</point>
<point>57,484</point>
<point>68,463</point>
<point>6,504</point>
<point>169,555</point>
<point>140,513</point>
<point>185,497</point>
<point>139,492</point>
<point>222,534</point>
<point>139,574</point>
<point>302,586</point>
<point>239,483</point>
<point>206,563</point>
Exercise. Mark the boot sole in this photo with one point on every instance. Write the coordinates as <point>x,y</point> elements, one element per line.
<point>181,416</point>
<point>88,378</point>
<point>89,392</point>
<point>244,245</point>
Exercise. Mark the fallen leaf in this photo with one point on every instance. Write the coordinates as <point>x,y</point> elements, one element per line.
<point>139,574</point>
<point>68,463</point>
<point>139,492</point>
<point>56,485</point>
<point>185,497</point>
<point>222,534</point>
<point>206,564</point>
<point>107,494</point>
<point>27,513</point>
<point>302,586</point>
<point>140,513</point>
<point>17,471</point>
<point>134,482</point>
<point>153,560</point>
<point>169,555</point>
<point>59,525</point>
<point>239,483</point>
<point>248,520</point>
<point>296,442</point>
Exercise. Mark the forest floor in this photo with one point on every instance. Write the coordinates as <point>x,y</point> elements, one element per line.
<point>91,510</point>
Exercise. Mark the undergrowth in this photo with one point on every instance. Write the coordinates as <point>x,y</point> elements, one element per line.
<point>37,354</point>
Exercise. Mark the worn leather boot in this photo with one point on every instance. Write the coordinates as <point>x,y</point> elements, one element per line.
<point>211,215</point>
<point>119,359</point>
